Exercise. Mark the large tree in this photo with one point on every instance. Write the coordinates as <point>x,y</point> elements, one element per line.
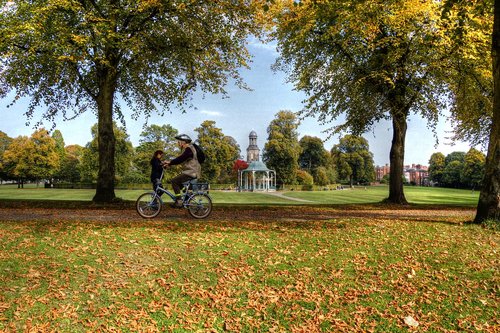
<point>367,60</point>
<point>475,83</point>
<point>469,24</point>
<point>74,56</point>
<point>70,170</point>
<point>436,167</point>
<point>5,141</point>
<point>489,200</point>
<point>451,174</point>
<point>353,159</point>
<point>221,151</point>
<point>313,153</point>
<point>282,149</point>
<point>61,152</point>
<point>15,159</point>
<point>34,158</point>
<point>315,159</point>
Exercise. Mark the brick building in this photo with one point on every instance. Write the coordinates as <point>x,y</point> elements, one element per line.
<point>416,174</point>
<point>381,171</point>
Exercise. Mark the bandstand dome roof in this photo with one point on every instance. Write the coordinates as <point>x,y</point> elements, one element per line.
<point>257,166</point>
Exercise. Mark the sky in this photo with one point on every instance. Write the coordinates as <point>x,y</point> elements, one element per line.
<point>241,112</point>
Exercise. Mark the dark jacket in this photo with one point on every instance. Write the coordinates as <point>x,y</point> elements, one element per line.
<point>156,169</point>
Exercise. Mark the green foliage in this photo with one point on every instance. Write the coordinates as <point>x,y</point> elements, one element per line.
<point>15,163</point>
<point>5,141</point>
<point>437,164</point>
<point>451,174</point>
<point>56,51</point>
<point>315,160</point>
<point>313,154</point>
<point>229,176</point>
<point>368,61</point>
<point>70,57</point>
<point>304,178</point>
<point>458,169</point>
<point>473,169</point>
<point>153,138</point>
<point>385,179</point>
<point>282,149</point>
<point>32,158</point>
<point>70,166</point>
<point>44,159</point>
<point>469,25</point>
<point>89,162</point>
<point>221,153</point>
<point>353,159</point>
<point>458,156</point>
<point>59,141</point>
<point>124,153</point>
<point>324,176</point>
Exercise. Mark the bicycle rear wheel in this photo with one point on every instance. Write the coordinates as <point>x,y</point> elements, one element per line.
<point>199,206</point>
<point>148,205</point>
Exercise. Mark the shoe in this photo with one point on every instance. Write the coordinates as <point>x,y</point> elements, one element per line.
<point>176,204</point>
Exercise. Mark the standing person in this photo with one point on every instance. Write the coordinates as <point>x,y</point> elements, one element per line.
<point>156,170</point>
<point>191,167</point>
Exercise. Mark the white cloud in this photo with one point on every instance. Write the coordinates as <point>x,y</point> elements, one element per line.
<point>211,113</point>
<point>266,46</point>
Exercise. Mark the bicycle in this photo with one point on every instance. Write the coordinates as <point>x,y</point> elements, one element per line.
<point>195,199</point>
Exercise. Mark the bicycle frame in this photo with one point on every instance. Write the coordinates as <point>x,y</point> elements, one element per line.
<point>167,192</point>
<point>184,191</point>
<point>194,198</point>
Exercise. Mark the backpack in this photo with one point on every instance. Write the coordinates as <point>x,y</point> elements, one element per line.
<point>200,154</point>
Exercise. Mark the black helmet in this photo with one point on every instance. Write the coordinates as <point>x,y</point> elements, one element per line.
<point>184,137</point>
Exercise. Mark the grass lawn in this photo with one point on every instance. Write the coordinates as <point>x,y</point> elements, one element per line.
<point>271,273</point>
<point>333,262</point>
<point>359,195</point>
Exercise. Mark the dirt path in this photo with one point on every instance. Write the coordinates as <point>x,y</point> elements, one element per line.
<point>258,213</point>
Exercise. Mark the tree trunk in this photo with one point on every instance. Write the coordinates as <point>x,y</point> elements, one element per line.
<point>397,154</point>
<point>489,200</point>
<point>105,191</point>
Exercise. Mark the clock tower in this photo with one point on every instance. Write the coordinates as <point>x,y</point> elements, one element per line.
<point>253,151</point>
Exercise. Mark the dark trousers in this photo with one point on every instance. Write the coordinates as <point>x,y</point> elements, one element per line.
<point>157,184</point>
<point>177,182</point>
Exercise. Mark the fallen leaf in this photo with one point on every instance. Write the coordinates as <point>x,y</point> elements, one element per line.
<point>410,321</point>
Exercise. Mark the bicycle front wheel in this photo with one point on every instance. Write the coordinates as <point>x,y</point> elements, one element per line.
<point>199,206</point>
<point>148,205</point>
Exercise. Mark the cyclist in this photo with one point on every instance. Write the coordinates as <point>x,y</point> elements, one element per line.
<point>156,170</point>
<point>191,167</point>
